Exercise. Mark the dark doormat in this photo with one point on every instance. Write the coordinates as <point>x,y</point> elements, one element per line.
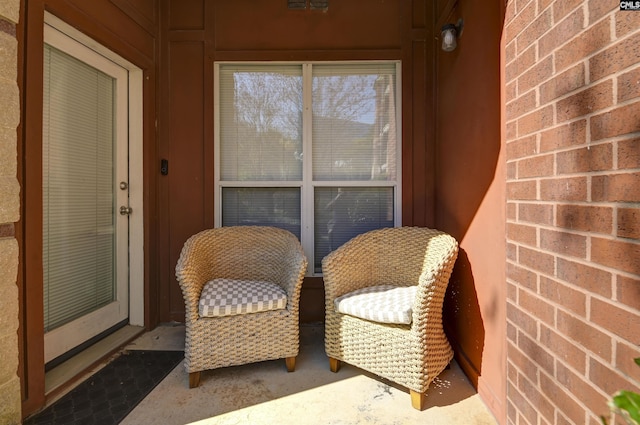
<point>112,392</point>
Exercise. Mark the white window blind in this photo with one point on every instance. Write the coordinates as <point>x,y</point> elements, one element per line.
<point>78,181</point>
<point>344,117</point>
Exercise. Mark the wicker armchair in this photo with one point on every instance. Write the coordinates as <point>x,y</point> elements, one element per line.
<point>405,259</point>
<point>246,254</point>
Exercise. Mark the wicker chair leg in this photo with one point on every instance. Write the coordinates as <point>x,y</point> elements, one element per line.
<point>334,364</point>
<point>194,379</point>
<point>418,400</point>
<point>291,364</point>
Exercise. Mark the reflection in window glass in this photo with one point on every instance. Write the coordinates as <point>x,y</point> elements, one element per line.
<point>346,181</point>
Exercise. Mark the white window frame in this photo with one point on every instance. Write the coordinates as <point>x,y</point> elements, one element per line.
<point>308,185</point>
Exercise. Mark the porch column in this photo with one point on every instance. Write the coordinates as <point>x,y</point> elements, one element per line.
<point>10,398</point>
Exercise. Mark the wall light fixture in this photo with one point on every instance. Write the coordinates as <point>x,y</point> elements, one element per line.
<point>450,34</point>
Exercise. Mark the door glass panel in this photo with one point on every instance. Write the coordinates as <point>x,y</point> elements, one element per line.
<point>78,189</point>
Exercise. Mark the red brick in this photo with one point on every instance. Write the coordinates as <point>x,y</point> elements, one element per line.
<point>537,260</point>
<point>618,122</point>
<point>615,58</point>
<point>533,395</point>
<point>539,73</point>
<point>525,190</point>
<point>616,188</point>
<point>616,254</point>
<point>522,147</point>
<point>522,105</point>
<point>538,166</point>
<point>616,320</point>
<point>523,405</point>
<point>570,80</point>
<point>512,211</point>
<point>536,353</point>
<point>608,379</point>
<point>585,334</point>
<point>624,360</point>
<point>583,160</point>
<point>522,363</point>
<point>563,420</point>
<point>564,189</point>
<point>561,32</point>
<point>512,130</point>
<point>523,61</point>
<point>532,33</point>
<point>510,91</point>
<point>629,223</point>
<point>626,23</point>
<point>512,252</point>
<point>522,320</point>
<point>519,22</point>
<point>563,8</point>
<point>537,307</point>
<point>510,52</point>
<point>629,83</point>
<point>512,292</point>
<point>522,234</point>
<point>566,135</point>
<point>590,41</point>
<point>512,171</point>
<point>563,243</point>
<point>563,401</point>
<point>564,296</point>
<point>585,218</point>
<point>592,279</point>
<point>585,102</point>
<point>599,8</point>
<point>536,213</point>
<point>512,334</point>
<point>629,153</point>
<point>628,291</point>
<point>589,396</point>
<point>522,277</point>
<point>510,12</point>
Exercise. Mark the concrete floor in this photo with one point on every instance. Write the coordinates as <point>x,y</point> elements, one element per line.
<point>264,393</point>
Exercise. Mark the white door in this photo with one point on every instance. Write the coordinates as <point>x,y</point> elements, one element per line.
<point>85,185</point>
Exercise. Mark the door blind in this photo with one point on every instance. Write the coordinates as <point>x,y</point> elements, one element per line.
<point>78,188</point>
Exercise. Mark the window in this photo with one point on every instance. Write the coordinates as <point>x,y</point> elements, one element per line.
<point>312,148</point>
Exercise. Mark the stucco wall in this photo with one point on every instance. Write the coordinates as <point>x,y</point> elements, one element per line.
<point>9,214</point>
<point>573,207</point>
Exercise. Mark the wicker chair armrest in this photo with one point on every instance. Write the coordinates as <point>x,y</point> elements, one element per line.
<point>439,262</point>
<point>294,267</point>
<point>193,272</point>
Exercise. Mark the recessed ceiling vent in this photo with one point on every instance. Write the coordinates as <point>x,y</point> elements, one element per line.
<point>308,4</point>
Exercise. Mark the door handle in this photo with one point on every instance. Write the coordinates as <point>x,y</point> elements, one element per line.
<point>125,210</point>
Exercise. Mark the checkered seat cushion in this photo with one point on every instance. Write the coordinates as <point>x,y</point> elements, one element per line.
<point>229,297</point>
<point>384,303</point>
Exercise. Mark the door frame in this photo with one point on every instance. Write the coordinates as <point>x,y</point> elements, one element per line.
<point>136,186</point>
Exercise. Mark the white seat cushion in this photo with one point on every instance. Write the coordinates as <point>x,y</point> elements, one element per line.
<point>384,303</point>
<point>229,297</point>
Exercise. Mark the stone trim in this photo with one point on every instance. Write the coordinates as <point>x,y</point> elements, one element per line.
<point>7,230</point>
<point>7,27</point>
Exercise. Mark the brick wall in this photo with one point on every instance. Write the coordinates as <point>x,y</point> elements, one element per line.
<point>10,407</point>
<point>572,87</point>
